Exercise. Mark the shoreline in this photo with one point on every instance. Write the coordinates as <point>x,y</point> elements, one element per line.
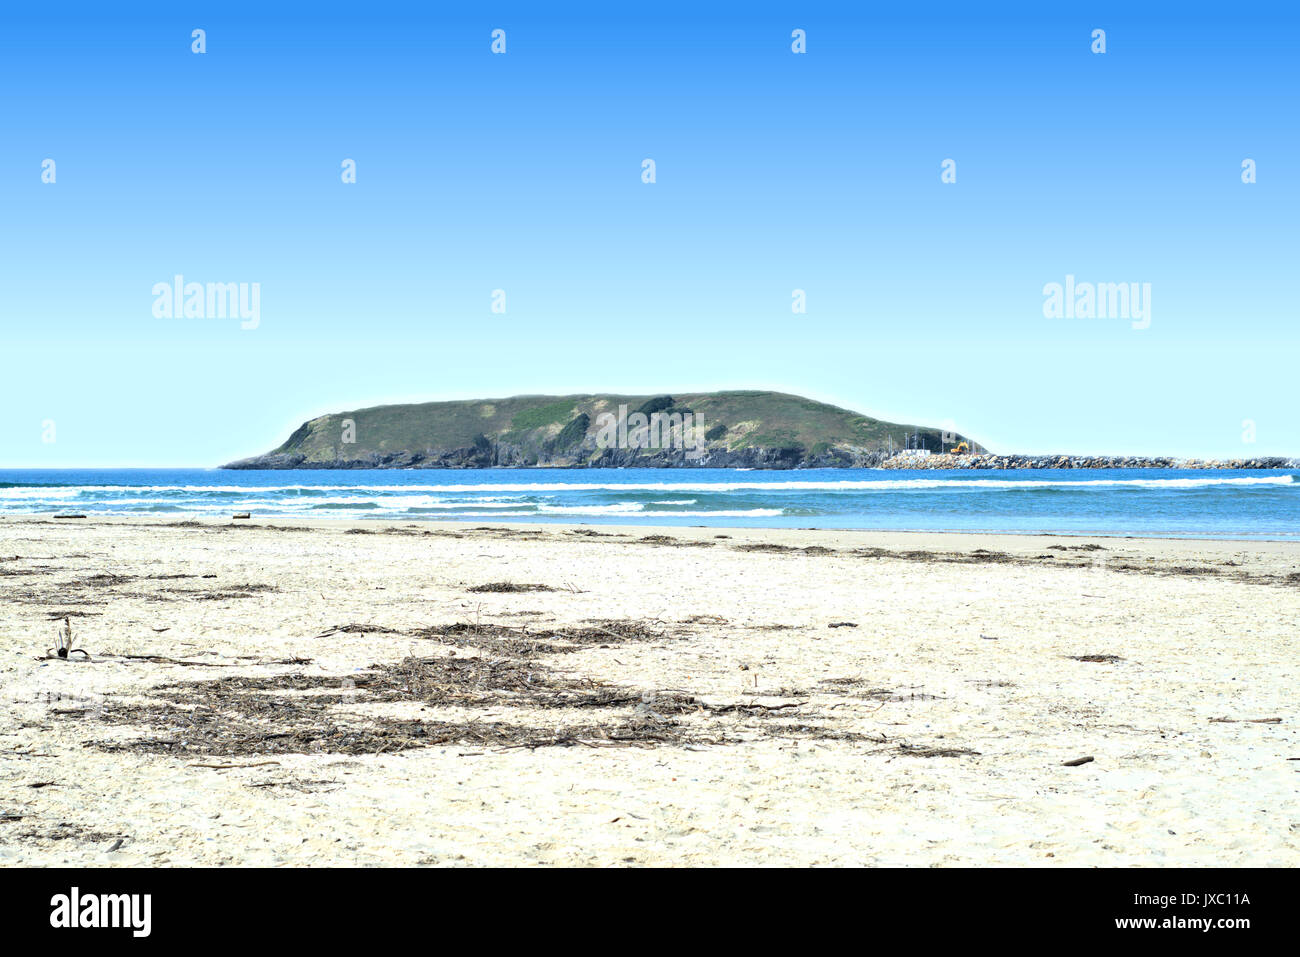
<point>879,460</point>
<point>900,461</point>
<point>180,519</point>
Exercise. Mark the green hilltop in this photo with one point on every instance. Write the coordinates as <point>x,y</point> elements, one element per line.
<point>733,429</point>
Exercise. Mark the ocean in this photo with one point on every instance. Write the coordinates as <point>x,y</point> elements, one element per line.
<point>1144,502</point>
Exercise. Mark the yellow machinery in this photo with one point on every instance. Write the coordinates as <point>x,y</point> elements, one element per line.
<point>962,448</point>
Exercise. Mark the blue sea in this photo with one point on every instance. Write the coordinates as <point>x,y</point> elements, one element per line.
<point>1146,502</point>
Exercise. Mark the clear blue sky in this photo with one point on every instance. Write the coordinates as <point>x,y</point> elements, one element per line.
<point>522,172</point>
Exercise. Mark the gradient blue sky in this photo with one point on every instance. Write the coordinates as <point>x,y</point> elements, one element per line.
<point>776,171</point>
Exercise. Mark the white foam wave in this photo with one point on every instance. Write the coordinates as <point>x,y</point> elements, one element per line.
<point>619,508</point>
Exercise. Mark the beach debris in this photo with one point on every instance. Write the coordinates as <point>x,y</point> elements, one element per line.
<point>1077,762</point>
<point>356,629</point>
<point>674,542</point>
<point>63,643</point>
<point>916,751</point>
<point>68,830</point>
<point>508,639</point>
<point>990,638</point>
<point>241,515</point>
<point>644,709</point>
<point>487,668</point>
<point>989,683</point>
<point>1097,659</point>
<point>843,624</point>
<point>1245,721</point>
<point>70,515</point>
<point>510,587</point>
<point>301,785</point>
<point>164,660</point>
<point>775,549</point>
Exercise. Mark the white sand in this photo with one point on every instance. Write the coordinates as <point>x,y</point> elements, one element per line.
<point>973,656</point>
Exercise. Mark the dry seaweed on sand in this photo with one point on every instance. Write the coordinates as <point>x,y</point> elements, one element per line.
<point>258,715</point>
<point>24,572</point>
<point>673,542</point>
<point>916,751</point>
<point>245,724</point>
<point>510,587</point>
<point>99,581</point>
<point>1223,572</point>
<point>67,831</point>
<point>775,549</point>
<point>358,629</point>
<point>1096,659</point>
<point>549,640</point>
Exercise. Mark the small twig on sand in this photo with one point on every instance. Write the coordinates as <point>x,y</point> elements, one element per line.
<point>226,767</point>
<point>1076,762</point>
<point>164,660</point>
<point>1245,721</point>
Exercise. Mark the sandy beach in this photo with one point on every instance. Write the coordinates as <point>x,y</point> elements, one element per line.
<point>291,692</point>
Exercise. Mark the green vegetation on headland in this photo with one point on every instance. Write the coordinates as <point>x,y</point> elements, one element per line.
<point>770,430</point>
<point>709,429</point>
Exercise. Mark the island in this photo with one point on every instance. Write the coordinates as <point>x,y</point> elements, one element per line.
<point>733,429</point>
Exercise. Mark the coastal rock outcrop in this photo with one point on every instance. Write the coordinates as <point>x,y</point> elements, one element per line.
<point>990,461</point>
